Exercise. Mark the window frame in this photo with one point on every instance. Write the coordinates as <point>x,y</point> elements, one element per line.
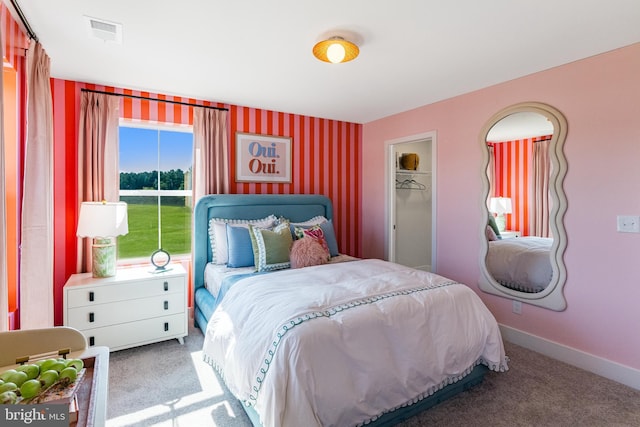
<point>156,126</point>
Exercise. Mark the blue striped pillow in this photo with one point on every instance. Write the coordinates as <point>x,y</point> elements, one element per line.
<point>240,247</point>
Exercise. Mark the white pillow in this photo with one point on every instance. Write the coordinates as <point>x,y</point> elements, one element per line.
<point>316,220</point>
<point>218,234</point>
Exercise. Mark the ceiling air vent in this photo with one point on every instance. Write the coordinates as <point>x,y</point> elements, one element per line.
<point>104,30</point>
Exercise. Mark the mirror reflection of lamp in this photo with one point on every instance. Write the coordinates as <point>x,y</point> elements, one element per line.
<point>102,221</point>
<point>500,206</point>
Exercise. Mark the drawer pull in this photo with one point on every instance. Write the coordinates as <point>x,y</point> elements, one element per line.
<point>166,326</point>
<point>91,296</point>
<point>166,286</point>
<point>166,305</point>
<point>91,317</point>
<point>92,341</point>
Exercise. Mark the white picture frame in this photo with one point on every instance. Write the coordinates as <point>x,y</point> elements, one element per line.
<point>263,158</point>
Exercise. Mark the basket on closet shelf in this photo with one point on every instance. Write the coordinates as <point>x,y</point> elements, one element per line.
<point>409,161</point>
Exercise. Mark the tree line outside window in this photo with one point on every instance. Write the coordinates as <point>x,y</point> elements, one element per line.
<point>169,180</point>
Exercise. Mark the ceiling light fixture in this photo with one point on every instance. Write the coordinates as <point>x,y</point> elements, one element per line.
<point>335,50</point>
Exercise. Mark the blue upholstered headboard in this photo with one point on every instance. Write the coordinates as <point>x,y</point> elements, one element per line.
<point>296,207</point>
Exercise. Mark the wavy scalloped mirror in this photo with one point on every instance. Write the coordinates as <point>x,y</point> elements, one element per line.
<point>523,205</point>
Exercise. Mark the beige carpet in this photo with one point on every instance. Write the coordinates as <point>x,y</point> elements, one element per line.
<point>168,384</point>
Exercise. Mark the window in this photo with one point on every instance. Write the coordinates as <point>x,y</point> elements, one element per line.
<point>155,182</point>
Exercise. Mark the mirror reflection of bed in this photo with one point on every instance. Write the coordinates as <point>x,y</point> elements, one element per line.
<point>518,233</point>
<point>521,263</point>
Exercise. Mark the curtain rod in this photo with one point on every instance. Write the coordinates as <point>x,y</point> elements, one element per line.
<point>547,138</point>
<point>154,99</point>
<point>32,35</point>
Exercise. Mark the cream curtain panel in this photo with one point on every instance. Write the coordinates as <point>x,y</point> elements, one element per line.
<point>98,177</point>
<point>4,289</point>
<point>210,156</point>
<point>36,255</point>
<point>491,172</point>
<point>540,181</point>
<point>210,152</point>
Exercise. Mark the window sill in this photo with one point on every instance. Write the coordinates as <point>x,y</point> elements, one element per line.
<point>142,261</point>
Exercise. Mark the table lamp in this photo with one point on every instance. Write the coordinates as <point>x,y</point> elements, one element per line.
<point>500,206</point>
<point>102,221</point>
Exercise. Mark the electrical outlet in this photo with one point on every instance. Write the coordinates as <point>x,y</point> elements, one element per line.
<point>628,224</point>
<point>517,307</point>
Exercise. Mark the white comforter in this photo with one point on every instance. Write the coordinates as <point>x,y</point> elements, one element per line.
<point>338,345</point>
<point>521,263</point>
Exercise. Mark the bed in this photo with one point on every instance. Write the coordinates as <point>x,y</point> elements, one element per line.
<point>349,342</point>
<point>521,263</point>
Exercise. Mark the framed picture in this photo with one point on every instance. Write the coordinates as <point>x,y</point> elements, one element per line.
<point>263,158</point>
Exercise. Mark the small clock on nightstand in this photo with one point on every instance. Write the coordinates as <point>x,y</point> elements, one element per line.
<point>509,234</point>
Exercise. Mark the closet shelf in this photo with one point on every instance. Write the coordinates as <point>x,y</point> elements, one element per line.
<point>411,172</point>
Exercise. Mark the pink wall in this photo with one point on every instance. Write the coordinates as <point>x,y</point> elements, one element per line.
<point>600,97</point>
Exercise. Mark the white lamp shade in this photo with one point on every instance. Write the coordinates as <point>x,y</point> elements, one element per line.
<point>500,205</point>
<point>102,219</point>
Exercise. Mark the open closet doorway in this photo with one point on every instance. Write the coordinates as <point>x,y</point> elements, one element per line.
<point>411,201</point>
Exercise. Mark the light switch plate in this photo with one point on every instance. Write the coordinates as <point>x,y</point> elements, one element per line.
<point>628,223</point>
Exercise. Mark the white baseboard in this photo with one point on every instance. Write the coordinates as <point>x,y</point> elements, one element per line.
<point>598,365</point>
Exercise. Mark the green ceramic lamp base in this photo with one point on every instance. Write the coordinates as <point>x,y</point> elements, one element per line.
<point>103,253</point>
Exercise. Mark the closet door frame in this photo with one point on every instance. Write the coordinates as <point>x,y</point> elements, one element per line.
<point>390,193</point>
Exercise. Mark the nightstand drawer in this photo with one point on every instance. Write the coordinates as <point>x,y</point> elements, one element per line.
<point>105,293</point>
<point>89,317</point>
<point>509,234</point>
<point>126,335</point>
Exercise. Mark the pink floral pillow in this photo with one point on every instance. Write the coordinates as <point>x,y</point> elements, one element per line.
<point>315,233</point>
<point>306,252</point>
<point>491,235</point>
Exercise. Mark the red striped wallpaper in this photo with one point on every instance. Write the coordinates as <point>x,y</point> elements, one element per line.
<point>15,42</point>
<point>14,47</point>
<point>326,160</point>
<point>513,163</point>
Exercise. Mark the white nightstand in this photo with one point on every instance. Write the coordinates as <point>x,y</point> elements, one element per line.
<point>132,308</point>
<point>509,234</point>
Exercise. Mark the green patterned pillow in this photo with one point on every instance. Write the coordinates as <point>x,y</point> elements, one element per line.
<point>271,247</point>
<point>494,226</point>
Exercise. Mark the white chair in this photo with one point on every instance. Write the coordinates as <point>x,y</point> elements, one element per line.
<point>29,342</point>
<point>33,342</point>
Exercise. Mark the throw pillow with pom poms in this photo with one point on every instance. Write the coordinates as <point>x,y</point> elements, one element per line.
<point>306,252</point>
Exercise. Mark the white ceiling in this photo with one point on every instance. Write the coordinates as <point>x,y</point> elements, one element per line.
<point>257,53</point>
<point>518,126</point>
